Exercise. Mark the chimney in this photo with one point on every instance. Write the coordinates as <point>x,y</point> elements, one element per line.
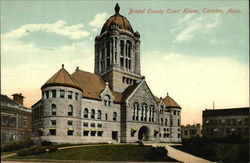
<point>18,98</point>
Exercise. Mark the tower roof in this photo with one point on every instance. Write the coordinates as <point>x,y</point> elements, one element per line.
<point>170,103</point>
<point>119,20</point>
<point>62,77</point>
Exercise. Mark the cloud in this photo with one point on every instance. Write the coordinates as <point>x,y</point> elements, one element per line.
<point>189,29</point>
<point>99,20</point>
<point>195,82</point>
<point>60,27</point>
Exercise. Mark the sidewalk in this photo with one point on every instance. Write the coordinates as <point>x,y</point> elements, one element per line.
<point>180,155</point>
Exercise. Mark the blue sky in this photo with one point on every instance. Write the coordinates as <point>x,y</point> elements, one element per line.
<point>198,58</point>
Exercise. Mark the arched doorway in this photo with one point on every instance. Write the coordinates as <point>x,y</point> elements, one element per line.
<point>143,133</point>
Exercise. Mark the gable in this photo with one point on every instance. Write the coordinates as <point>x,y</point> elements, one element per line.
<point>141,93</point>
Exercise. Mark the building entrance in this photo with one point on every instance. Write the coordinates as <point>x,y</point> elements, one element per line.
<point>143,133</point>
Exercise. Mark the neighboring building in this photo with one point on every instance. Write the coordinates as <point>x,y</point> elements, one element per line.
<point>114,104</point>
<point>226,122</point>
<point>191,131</point>
<point>15,119</point>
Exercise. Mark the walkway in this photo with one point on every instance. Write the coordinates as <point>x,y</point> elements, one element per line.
<point>180,155</point>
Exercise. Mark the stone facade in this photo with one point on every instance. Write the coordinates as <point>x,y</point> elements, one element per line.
<point>115,103</point>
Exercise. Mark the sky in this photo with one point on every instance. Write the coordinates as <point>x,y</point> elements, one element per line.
<point>197,51</point>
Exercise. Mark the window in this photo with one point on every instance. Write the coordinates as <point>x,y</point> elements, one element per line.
<point>70,110</point>
<point>4,120</point>
<point>70,132</point>
<point>174,112</point>
<point>76,96</point>
<point>85,133</point>
<point>114,135</point>
<point>161,121</point>
<point>246,121</point>
<point>99,133</point>
<point>135,111</point>
<point>53,109</point>
<point>12,121</point>
<point>52,131</point>
<point>25,123</point>
<point>107,100</point>
<point>86,113</point>
<point>85,124</point>
<point>47,94</point>
<point>53,93</point>
<point>92,125</point>
<point>92,115</point>
<point>62,93</point>
<point>106,116</point>
<point>70,123</point>
<point>92,133</point>
<point>178,122</point>
<point>99,125</point>
<point>114,116</point>
<point>53,122</point>
<point>70,94</point>
<point>99,114</point>
<point>166,121</point>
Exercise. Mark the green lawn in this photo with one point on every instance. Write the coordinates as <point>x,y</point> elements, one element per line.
<point>106,153</point>
<point>219,152</point>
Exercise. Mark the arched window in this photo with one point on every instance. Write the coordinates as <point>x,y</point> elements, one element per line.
<point>53,109</point>
<point>114,116</point>
<point>107,100</point>
<point>144,115</point>
<point>151,114</point>
<point>99,114</point>
<point>70,110</point>
<point>92,115</point>
<point>135,111</point>
<point>86,113</point>
<point>122,47</point>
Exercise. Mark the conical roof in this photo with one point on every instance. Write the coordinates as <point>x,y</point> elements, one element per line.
<point>170,103</point>
<point>62,78</point>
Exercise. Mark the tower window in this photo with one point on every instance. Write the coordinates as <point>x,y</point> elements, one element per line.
<point>76,96</point>
<point>47,94</point>
<point>53,109</point>
<point>62,93</point>
<point>92,116</point>
<point>70,94</point>
<point>53,93</point>
<point>70,110</point>
<point>114,116</point>
<point>85,113</point>
<point>122,61</point>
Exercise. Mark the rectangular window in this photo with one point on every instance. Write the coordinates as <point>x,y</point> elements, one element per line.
<point>70,123</point>
<point>99,125</point>
<point>85,124</point>
<point>53,122</point>
<point>47,94</point>
<point>70,132</point>
<point>4,120</point>
<point>114,135</point>
<point>52,131</point>
<point>62,93</point>
<point>53,93</point>
<point>70,94</point>
<point>123,79</point>
<point>166,121</point>
<point>12,121</point>
<point>85,133</point>
<point>25,123</point>
<point>92,133</point>
<point>76,96</point>
<point>92,125</point>
<point>99,133</point>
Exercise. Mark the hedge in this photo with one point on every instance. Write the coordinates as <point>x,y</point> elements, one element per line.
<point>17,145</point>
<point>37,150</point>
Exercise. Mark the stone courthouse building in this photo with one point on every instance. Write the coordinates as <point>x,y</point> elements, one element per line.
<point>113,104</point>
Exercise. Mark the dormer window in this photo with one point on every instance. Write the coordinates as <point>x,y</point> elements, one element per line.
<point>106,99</point>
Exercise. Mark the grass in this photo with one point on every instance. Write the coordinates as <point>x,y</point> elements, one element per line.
<point>103,153</point>
<point>219,152</point>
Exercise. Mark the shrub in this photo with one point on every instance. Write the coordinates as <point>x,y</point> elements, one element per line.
<point>46,143</point>
<point>37,150</point>
<point>17,145</point>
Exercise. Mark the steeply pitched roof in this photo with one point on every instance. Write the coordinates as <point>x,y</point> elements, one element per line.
<point>170,103</point>
<point>62,77</point>
<point>92,85</point>
<point>129,90</point>
<point>226,112</point>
